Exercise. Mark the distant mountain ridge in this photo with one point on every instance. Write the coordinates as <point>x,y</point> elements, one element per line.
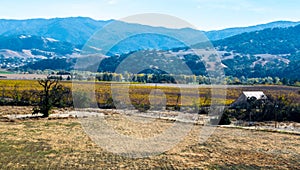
<point>229,32</point>
<point>77,30</point>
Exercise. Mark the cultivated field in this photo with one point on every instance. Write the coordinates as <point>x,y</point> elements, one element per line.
<point>139,93</point>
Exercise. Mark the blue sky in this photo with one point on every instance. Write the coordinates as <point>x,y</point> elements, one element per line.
<point>204,14</point>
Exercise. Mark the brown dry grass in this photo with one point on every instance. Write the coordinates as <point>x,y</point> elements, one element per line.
<point>62,144</point>
<point>21,110</point>
<point>11,110</point>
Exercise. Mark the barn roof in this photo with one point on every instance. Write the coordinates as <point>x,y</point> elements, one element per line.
<point>256,94</point>
<point>242,100</point>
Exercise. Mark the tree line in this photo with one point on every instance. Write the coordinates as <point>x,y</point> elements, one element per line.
<point>192,79</point>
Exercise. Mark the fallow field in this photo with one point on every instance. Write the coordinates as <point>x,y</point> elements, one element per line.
<point>63,144</point>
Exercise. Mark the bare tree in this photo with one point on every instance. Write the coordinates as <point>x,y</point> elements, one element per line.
<point>53,94</point>
<point>46,102</point>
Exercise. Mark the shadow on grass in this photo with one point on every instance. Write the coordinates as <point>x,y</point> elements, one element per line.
<point>16,154</point>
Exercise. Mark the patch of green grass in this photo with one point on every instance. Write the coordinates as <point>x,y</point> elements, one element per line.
<point>8,134</point>
<point>53,124</point>
<point>73,124</point>
<point>33,131</point>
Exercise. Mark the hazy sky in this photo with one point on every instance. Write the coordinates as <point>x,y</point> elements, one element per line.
<point>204,14</point>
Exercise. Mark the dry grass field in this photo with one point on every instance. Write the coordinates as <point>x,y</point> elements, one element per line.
<point>63,144</point>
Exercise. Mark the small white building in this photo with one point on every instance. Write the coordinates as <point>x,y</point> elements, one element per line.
<point>246,95</point>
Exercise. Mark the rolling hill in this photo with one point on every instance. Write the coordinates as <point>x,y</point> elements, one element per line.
<point>268,41</point>
<point>16,51</point>
<point>270,52</point>
<point>41,45</point>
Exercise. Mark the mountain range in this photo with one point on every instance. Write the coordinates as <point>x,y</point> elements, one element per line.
<point>262,50</point>
<point>77,30</point>
<point>221,34</point>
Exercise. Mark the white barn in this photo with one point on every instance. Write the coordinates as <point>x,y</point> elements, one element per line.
<point>242,100</point>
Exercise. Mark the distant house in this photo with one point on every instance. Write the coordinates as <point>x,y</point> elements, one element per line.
<point>242,101</point>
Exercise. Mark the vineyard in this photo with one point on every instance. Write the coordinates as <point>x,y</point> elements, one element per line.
<point>139,94</point>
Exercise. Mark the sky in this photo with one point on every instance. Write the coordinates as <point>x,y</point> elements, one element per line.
<point>203,14</point>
